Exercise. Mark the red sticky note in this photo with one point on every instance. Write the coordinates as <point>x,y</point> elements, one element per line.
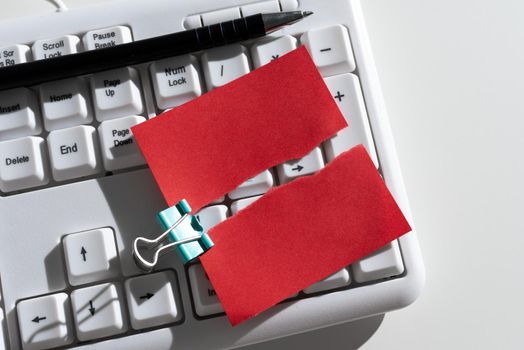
<point>300,233</point>
<point>209,146</point>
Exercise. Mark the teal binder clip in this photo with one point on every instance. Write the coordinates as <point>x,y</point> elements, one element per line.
<point>184,232</point>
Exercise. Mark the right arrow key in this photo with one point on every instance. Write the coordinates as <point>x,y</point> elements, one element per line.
<point>307,165</point>
<point>152,300</point>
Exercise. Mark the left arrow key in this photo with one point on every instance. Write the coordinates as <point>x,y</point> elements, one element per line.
<point>44,322</point>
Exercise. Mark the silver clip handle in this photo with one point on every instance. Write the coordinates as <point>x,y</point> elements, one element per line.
<point>140,242</point>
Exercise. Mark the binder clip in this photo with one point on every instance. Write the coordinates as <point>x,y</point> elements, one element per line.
<point>184,232</point>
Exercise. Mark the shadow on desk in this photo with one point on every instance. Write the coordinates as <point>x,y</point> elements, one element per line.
<point>347,336</point>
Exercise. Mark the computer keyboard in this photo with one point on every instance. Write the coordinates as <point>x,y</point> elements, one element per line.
<point>75,190</point>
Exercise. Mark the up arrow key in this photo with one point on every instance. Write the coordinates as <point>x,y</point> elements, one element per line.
<point>90,256</point>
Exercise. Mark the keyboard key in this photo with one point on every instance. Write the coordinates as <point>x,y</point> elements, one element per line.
<point>18,114</point>
<point>116,93</point>
<point>45,322</point>
<point>192,22</point>
<point>224,64</point>
<point>55,47</point>
<point>265,52</point>
<point>289,5</point>
<point>119,149</point>
<point>151,300</point>
<point>307,165</point>
<point>90,256</point>
<point>97,312</point>
<point>331,50</point>
<point>254,186</point>
<point>11,55</point>
<point>220,16</point>
<point>385,262</point>
<point>107,37</point>
<point>73,152</point>
<point>337,280</point>
<point>271,6</point>
<point>22,164</point>
<point>243,203</point>
<point>346,91</point>
<point>204,296</point>
<point>65,104</point>
<point>175,81</point>
<point>217,201</point>
<point>211,216</point>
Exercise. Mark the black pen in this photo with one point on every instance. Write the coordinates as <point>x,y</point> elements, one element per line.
<point>250,27</point>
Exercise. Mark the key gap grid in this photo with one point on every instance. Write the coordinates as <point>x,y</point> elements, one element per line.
<point>95,123</point>
<point>146,96</point>
<point>147,81</point>
<point>229,201</point>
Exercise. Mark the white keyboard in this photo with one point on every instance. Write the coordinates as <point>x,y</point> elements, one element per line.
<point>75,190</point>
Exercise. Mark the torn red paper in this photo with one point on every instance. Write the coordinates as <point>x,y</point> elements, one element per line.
<point>300,233</point>
<point>209,146</point>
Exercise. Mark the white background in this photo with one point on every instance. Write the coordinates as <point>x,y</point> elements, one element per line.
<point>452,73</point>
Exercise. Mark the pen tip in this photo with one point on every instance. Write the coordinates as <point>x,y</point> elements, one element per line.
<point>274,21</point>
<point>307,13</point>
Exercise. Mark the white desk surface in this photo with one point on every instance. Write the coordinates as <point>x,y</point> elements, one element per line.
<point>452,74</point>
